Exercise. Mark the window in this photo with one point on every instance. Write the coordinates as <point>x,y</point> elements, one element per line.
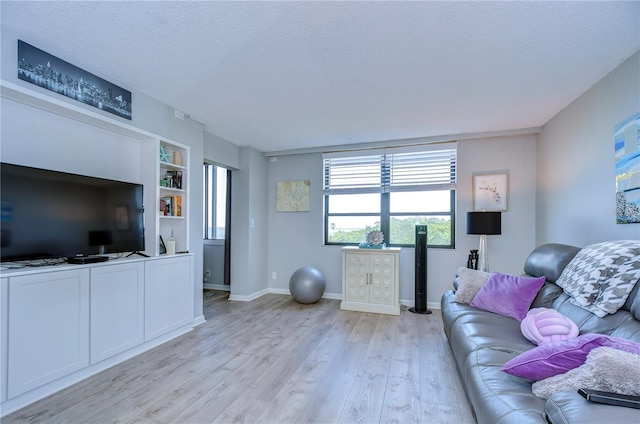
<point>391,190</point>
<point>215,202</point>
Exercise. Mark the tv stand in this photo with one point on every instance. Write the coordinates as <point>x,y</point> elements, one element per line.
<point>137,253</point>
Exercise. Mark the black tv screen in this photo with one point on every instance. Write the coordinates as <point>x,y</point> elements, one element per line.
<point>51,214</point>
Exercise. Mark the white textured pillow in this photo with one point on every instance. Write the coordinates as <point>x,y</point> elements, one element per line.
<point>470,282</point>
<point>606,369</point>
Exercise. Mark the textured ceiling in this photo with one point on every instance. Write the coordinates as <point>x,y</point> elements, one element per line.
<point>293,75</point>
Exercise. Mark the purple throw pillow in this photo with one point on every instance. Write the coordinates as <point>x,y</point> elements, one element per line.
<point>508,295</point>
<point>557,358</point>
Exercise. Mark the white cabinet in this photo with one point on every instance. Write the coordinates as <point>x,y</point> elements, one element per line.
<point>48,327</point>
<point>370,280</point>
<point>117,309</point>
<point>168,295</point>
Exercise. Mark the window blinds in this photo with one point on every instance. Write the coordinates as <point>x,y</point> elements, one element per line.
<point>416,168</point>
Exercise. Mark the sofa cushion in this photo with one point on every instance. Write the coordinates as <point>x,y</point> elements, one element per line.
<point>549,260</point>
<point>557,358</point>
<point>496,396</point>
<point>508,295</point>
<point>570,407</point>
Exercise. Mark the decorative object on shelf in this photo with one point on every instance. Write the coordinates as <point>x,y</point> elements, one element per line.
<point>177,158</point>
<point>164,156</point>
<point>307,285</point>
<point>293,196</point>
<point>627,145</point>
<point>171,245</point>
<point>484,223</point>
<point>166,206</point>
<point>45,70</point>
<point>490,191</point>
<point>177,205</point>
<point>374,240</point>
<point>162,248</point>
<point>172,179</point>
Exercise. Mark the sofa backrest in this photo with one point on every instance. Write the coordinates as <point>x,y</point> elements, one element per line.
<point>549,260</point>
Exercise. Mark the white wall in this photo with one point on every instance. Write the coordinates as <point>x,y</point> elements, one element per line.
<point>575,163</point>
<point>34,137</point>
<point>295,238</point>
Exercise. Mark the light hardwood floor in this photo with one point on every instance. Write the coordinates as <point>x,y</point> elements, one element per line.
<point>273,360</point>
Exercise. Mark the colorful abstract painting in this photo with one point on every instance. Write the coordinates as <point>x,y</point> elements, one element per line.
<point>627,157</point>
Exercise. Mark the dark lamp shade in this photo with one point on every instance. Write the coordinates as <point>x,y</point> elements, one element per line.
<point>489,223</point>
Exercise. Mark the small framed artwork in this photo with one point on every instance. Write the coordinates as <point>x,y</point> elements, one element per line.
<point>166,206</point>
<point>490,191</point>
<point>293,196</point>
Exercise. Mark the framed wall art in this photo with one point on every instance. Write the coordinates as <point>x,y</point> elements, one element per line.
<point>293,196</point>
<point>490,191</point>
<point>627,158</point>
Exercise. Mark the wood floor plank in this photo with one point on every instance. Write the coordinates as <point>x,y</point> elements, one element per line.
<point>274,360</point>
<point>289,402</point>
<point>329,397</point>
<point>364,403</point>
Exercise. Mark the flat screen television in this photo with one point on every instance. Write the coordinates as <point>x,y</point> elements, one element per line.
<point>51,214</point>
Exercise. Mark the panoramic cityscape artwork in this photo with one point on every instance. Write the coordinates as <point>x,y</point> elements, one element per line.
<point>41,68</point>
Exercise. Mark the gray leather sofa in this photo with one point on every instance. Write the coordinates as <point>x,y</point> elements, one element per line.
<point>482,342</point>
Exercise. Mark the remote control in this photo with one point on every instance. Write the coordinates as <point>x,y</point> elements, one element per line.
<point>610,398</point>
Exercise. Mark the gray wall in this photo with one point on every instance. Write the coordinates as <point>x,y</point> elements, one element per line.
<point>575,163</point>
<point>219,151</point>
<point>249,226</point>
<point>295,238</point>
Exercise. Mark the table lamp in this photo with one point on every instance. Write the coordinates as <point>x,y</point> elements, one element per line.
<point>484,224</point>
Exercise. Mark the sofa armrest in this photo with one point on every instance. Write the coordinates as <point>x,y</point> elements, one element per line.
<point>570,407</point>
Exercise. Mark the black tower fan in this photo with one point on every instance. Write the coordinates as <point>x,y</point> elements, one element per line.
<point>421,271</point>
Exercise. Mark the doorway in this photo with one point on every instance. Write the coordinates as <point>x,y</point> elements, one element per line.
<point>217,227</point>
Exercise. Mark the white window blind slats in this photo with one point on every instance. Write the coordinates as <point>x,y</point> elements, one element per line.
<point>422,170</point>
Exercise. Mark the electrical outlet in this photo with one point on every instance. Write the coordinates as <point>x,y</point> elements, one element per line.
<point>273,275</point>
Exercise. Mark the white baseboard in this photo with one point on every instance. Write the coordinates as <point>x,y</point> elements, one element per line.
<point>337,296</point>
<point>199,321</point>
<point>411,303</point>
<point>248,298</point>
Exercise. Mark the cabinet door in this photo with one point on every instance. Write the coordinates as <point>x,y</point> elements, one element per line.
<point>48,328</point>
<point>117,309</point>
<point>168,295</point>
<point>383,281</point>
<point>357,277</point>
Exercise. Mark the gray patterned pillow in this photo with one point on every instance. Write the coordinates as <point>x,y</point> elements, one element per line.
<point>601,276</point>
<point>470,282</point>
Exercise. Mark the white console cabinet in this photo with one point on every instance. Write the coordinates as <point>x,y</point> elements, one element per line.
<point>48,327</point>
<point>61,324</point>
<point>370,280</point>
